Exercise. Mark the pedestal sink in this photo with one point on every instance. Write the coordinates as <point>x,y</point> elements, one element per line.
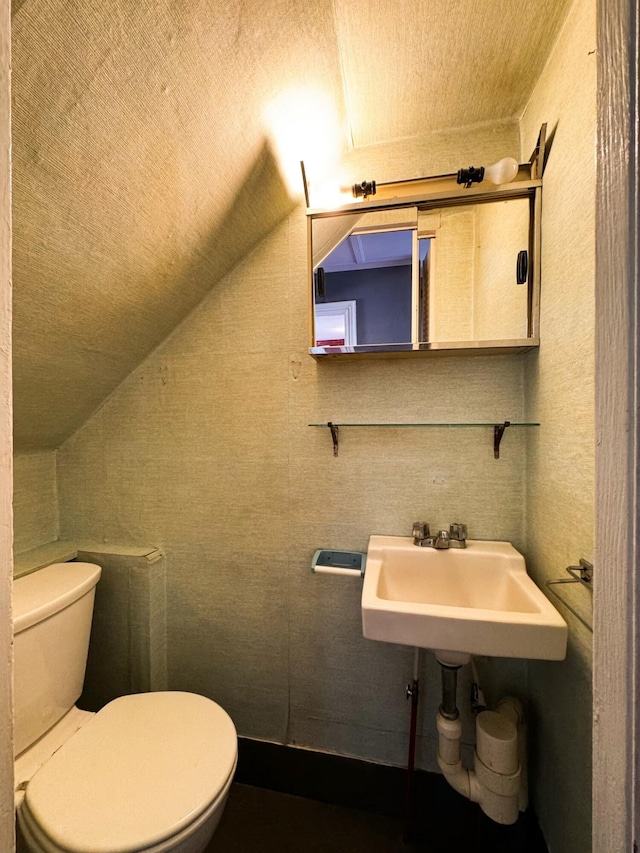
<point>477,600</point>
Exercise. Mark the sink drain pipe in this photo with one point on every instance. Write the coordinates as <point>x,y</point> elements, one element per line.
<point>497,781</point>
<point>448,706</point>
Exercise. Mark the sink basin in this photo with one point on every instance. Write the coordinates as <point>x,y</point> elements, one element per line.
<point>477,600</point>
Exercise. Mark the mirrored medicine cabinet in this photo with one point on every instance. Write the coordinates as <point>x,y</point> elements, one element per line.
<point>429,267</point>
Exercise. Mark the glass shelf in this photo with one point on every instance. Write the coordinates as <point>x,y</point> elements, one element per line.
<point>498,429</point>
<point>433,424</point>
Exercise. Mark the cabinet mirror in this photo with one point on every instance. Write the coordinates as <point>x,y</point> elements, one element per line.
<point>450,275</point>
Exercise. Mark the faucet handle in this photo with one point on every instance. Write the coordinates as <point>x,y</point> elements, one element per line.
<point>458,532</point>
<point>420,531</point>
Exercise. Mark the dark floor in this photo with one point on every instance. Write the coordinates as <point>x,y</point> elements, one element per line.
<point>258,820</point>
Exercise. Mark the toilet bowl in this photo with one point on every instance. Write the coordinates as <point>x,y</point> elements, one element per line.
<point>148,773</point>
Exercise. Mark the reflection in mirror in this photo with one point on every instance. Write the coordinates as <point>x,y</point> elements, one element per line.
<point>413,276</point>
<point>368,259</point>
<point>473,291</point>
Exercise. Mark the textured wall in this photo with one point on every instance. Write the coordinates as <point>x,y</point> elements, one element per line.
<point>141,176</point>
<point>35,500</point>
<point>560,392</point>
<point>206,451</point>
<point>128,651</point>
<point>415,66</point>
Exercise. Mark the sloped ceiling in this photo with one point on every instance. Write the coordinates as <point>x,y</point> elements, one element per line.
<point>416,65</point>
<point>143,169</point>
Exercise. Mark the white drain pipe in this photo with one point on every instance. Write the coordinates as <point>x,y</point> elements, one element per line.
<point>498,780</point>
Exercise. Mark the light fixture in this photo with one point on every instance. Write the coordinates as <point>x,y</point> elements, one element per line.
<point>364,189</point>
<point>303,123</point>
<point>502,172</point>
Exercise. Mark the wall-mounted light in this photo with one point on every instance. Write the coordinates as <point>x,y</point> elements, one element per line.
<point>502,172</point>
<point>303,123</point>
<point>364,189</point>
<point>329,193</point>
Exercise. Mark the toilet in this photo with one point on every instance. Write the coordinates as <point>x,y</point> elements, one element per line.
<point>148,773</point>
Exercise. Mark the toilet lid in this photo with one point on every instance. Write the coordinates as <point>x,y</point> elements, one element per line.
<point>144,768</point>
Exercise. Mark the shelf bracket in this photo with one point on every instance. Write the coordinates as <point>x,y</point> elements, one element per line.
<point>335,436</point>
<point>498,432</point>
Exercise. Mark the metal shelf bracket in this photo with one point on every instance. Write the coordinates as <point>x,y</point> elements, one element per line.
<point>498,432</point>
<point>335,437</point>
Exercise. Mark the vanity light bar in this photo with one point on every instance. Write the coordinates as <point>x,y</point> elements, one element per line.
<point>510,178</point>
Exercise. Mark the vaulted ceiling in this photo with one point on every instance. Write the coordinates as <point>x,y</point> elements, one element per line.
<point>141,132</point>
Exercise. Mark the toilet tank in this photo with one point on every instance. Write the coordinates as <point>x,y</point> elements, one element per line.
<point>52,611</point>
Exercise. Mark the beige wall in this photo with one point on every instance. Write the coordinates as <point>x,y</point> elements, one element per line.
<point>35,500</point>
<point>206,452</point>
<point>6,729</point>
<point>142,176</point>
<point>560,394</point>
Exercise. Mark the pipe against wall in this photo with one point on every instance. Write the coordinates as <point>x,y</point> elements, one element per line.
<point>413,691</point>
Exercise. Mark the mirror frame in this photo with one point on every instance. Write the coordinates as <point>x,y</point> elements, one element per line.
<point>443,191</point>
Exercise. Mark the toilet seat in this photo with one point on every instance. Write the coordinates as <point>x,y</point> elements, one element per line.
<point>144,771</point>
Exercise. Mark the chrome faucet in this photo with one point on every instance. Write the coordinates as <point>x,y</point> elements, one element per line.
<point>421,534</point>
<point>458,535</point>
<point>455,537</point>
<point>442,540</point>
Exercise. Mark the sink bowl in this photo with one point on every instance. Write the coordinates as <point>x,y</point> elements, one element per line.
<point>477,600</point>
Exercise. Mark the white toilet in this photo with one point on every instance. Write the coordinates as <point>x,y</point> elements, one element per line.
<point>149,773</point>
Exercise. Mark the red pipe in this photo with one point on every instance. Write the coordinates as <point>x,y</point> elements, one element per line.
<point>414,691</point>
